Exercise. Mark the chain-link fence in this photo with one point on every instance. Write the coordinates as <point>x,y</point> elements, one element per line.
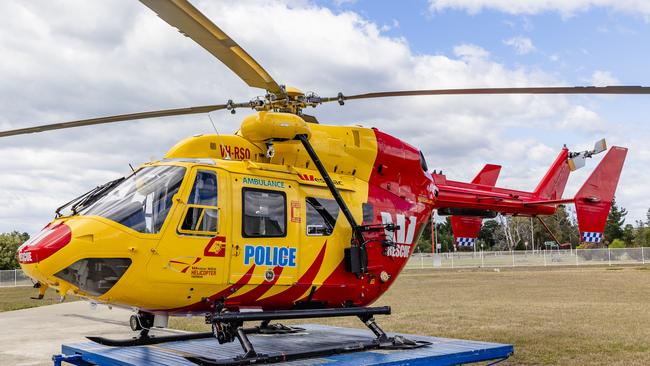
<point>13,278</point>
<point>538,258</point>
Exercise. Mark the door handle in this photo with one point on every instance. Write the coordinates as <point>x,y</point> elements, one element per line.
<point>235,252</point>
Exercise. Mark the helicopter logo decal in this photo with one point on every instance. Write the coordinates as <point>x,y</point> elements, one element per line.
<point>216,247</point>
<point>312,178</point>
<point>182,264</point>
<point>402,236</point>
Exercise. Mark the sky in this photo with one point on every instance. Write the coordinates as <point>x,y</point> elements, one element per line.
<point>66,60</point>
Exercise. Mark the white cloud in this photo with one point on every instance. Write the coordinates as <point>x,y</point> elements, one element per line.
<point>566,8</point>
<point>580,118</point>
<point>393,25</point>
<point>603,78</point>
<point>470,51</point>
<point>79,59</point>
<point>522,45</point>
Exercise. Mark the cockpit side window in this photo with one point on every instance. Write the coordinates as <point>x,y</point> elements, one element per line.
<point>321,216</point>
<point>202,214</point>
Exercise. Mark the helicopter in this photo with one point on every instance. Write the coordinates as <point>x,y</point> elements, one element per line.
<point>287,218</point>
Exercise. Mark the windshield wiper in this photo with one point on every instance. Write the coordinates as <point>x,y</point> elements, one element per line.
<point>89,197</point>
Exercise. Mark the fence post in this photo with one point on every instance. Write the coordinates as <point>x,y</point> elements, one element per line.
<point>513,257</point>
<point>576,257</point>
<point>482,264</point>
<point>642,256</point>
<point>452,260</point>
<point>609,256</point>
<point>15,278</point>
<point>544,252</point>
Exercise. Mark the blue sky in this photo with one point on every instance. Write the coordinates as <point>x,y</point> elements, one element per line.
<point>79,59</point>
<point>597,39</point>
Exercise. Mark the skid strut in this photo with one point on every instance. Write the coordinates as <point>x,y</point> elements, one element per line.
<point>228,326</point>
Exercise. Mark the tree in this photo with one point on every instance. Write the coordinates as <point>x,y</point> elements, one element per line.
<point>615,221</point>
<point>424,241</point>
<point>488,233</point>
<point>628,235</point>
<point>617,243</point>
<point>445,235</point>
<point>9,243</point>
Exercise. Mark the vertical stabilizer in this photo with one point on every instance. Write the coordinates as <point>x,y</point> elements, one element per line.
<point>552,185</point>
<point>594,199</point>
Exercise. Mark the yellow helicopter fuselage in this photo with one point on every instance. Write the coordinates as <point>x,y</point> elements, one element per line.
<point>222,218</point>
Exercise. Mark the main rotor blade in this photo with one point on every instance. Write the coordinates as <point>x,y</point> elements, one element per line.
<point>117,118</point>
<point>193,24</point>
<point>523,90</point>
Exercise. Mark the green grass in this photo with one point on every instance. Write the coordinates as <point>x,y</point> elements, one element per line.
<point>15,298</point>
<point>553,316</point>
<point>557,316</point>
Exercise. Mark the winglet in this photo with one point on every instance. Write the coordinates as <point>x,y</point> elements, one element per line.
<point>467,228</point>
<point>488,175</point>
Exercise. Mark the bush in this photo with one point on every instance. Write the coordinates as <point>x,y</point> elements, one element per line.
<point>9,243</point>
<point>617,243</point>
<point>587,246</point>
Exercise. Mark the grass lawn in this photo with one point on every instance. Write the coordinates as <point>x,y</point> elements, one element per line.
<point>553,316</point>
<point>557,316</point>
<point>15,298</point>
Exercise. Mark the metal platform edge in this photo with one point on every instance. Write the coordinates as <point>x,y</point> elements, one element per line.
<point>89,353</point>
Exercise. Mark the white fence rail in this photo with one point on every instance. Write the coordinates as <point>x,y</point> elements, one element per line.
<point>13,278</point>
<point>538,258</point>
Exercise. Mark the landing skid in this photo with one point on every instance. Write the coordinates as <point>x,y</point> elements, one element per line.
<point>146,340</point>
<point>291,356</point>
<point>229,326</point>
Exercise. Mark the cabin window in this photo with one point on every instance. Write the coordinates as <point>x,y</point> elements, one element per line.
<point>321,216</point>
<point>202,215</point>
<point>265,213</point>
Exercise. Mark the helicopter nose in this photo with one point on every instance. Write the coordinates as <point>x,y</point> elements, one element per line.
<point>52,238</point>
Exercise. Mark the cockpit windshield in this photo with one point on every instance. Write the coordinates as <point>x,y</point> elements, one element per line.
<point>143,200</point>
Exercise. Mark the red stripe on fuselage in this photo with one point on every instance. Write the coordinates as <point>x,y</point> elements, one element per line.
<point>248,299</point>
<point>286,299</point>
<point>208,304</point>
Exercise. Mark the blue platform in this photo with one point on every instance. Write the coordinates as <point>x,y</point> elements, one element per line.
<point>442,351</point>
